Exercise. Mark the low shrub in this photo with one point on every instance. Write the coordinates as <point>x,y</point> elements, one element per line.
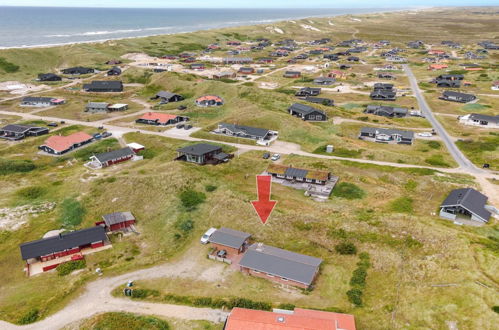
<point>434,144</point>
<point>144,293</point>
<point>71,212</point>
<point>185,225</point>
<point>346,248</point>
<point>31,193</point>
<point>68,267</point>
<point>7,66</point>
<point>30,316</point>
<point>210,187</point>
<point>191,199</point>
<point>437,160</point>
<point>286,306</point>
<point>120,320</point>
<point>402,205</point>
<point>355,296</point>
<point>495,309</point>
<point>348,191</point>
<point>9,166</point>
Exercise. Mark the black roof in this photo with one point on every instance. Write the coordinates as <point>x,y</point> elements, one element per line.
<point>459,95</point>
<point>18,128</point>
<point>37,99</point>
<point>256,131</point>
<point>199,149</point>
<point>490,119</point>
<point>104,85</point>
<point>304,109</point>
<point>388,131</point>
<point>470,199</point>
<point>115,154</point>
<point>286,264</point>
<point>62,242</point>
<point>229,237</point>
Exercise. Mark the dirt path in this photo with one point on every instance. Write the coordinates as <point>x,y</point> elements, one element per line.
<point>97,297</point>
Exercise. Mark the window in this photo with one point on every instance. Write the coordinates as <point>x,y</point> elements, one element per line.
<point>270,275</point>
<point>284,279</point>
<point>311,117</point>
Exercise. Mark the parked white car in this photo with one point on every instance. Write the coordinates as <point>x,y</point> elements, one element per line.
<point>275,157</point>
<point>425,134</point>
<point>207,235</point>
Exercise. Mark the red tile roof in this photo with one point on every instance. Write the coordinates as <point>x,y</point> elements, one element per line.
<point>160,117</point>
<point>61,143</point>
<point>300,319</point>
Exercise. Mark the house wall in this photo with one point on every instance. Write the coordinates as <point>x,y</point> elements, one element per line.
<point>116,161</point>
<point>272,278</point>
<point>230,251</point>
<point>121,225</point>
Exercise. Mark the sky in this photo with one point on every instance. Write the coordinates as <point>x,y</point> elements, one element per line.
<point>248,4</point>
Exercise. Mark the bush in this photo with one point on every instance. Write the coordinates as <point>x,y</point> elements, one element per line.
<point>358,278</point>
<point>434,144</point>
<point>495,309</point>
<point>210,187</point>
<point>68,267</point>
<point>286,306</point>
<point>185,225</point>
<point>31,193</point>
<point>191,199</point>
<point>118,320</point>
<point>9,166</point>
<point>402,205</point>
<point>411,185</point>
<point>355,297</point>
<point>7,66</point>
<point>346,248</point>
<point>144,293</point>
<point>348,191</point>
<point>30,316</point>
<point>147,153</point>
<point>436,160</point>
<point>71,212</point>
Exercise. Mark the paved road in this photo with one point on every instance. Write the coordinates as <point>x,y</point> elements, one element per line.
<point>280,147</point>
<point>464,163</point>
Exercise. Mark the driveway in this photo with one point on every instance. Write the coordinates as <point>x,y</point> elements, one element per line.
<point>97,296</point>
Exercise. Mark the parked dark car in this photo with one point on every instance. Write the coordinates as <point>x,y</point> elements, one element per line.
<point>182,107</point>
<point>106,134</point>
<point>180,126</point>
<point>63,122</point>
<point>266,155</point>
<point>52,124</point>
<point>187,126</point>
<point>97,136</point>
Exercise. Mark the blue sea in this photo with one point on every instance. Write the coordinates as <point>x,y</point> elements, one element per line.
<point>40,26</point>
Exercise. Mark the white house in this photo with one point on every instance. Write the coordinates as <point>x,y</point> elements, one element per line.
<point>474,119</point>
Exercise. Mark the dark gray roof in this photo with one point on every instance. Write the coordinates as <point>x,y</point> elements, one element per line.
<point>97,105</point>
<point>18,128</point>
<point>115,154</point>
<point>199,149</point>
<point>62,242</point>
<point>256,131</point>
<point>490,119</point>
<point>385,108</point>
<point>104,85</point>
<point>37,99</point>
<point>229,237</point>
<point>165,94</point>
<point>470,199</point>
<point>296,172</point>
<point>388,131</point>
<point>117,217</point>
<point>457,94</point>
<point>304,109</point>
<point>282,263</point>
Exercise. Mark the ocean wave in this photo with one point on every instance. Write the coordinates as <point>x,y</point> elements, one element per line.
<point>96,33</point>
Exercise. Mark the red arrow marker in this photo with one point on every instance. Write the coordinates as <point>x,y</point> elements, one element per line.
<point>263,206</point>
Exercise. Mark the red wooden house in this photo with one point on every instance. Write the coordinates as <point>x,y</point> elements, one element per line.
<point>67,244</point>
<point>117,221</point>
